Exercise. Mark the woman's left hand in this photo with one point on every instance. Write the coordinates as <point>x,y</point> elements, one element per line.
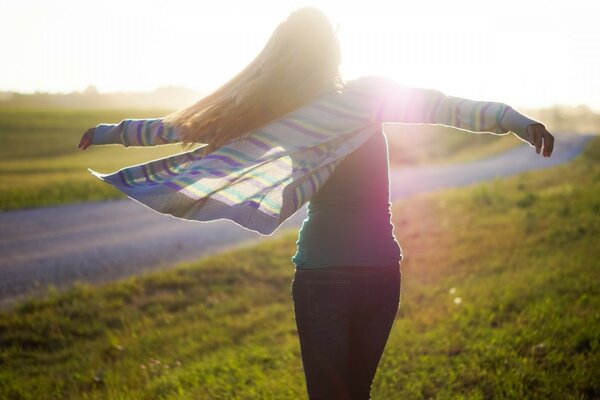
<point>540,138</point>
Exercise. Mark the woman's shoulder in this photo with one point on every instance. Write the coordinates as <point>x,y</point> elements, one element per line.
<point>372,84</point>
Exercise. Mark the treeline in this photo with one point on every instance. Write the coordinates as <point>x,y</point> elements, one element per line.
<point>169,97</point>
<point>557,118</point>
<point>581,119</point>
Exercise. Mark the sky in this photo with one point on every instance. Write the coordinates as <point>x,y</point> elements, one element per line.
<point>521,52</point>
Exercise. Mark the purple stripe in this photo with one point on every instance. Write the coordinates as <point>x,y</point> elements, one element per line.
<point>225,159</point>
<point>192,157</point>
<point>259,143</point>
<point>303,169</point>
<point>434,109</point>
<point>211,171</point>
<point>302,129</point>
<point>160,131</point>
<point>172,185</point>
<point>337,113</point>
<point>252,203</point>
<point>312,183</point>
<point>482,115</point>
<point>123,133</point>
<point>458,112</point>
<point>166,168</point>
<point>120,173</point>
<point>139,132</point>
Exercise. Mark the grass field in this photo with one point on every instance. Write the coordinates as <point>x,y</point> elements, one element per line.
<point>41,165</point>
<point>437,144</point>
<point>520,253</point>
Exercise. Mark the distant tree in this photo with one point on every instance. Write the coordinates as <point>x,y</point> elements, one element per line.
<point>90,90</point>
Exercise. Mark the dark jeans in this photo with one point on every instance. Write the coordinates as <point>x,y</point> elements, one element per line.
<point>344,316</point>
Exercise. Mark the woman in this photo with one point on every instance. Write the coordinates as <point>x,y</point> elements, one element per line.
<point>321,136</point>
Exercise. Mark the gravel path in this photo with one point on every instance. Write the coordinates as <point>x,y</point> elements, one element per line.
<point>100,242</point>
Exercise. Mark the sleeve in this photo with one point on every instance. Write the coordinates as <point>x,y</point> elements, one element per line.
<point>405,104</point>
<point>517,123</point>
<point>135,132</point>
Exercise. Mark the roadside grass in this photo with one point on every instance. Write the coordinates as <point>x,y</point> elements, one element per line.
<point>520,253</point>
<point>40,164</point>
<point>437,145</point>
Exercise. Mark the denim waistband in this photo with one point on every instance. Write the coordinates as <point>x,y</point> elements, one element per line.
<point>350,270</point>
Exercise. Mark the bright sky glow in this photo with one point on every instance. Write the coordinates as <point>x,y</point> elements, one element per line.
<point>521,52</point>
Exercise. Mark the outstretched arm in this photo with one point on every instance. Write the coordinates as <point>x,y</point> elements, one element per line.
<point>404,104</point>
<point>131,132</point>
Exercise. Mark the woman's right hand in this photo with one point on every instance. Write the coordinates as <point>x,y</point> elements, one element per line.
<point>540,138</point>
<point>86,139</point>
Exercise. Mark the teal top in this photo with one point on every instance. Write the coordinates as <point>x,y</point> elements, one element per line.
<point>349,218</point>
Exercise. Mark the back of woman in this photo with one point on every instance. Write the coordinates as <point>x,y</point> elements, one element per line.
<point>286,130</point>
<point>349,218</point>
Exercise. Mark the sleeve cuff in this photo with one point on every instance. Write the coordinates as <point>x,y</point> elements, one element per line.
<point>106,134</point>
<point>517,123</point>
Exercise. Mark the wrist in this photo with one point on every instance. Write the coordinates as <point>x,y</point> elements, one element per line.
<point>105,134</point>
<point>517,123</point>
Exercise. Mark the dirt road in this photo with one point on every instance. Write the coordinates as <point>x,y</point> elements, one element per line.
<point>99,242</point>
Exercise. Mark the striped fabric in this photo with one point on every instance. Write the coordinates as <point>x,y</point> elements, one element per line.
<point>261,180</point>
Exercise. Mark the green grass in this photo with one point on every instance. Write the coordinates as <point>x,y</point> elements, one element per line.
<point>521,253</point>
<point>436,144</point>
<point>40,164</point>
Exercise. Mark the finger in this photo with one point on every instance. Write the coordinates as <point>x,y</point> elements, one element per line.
<point>531,134</point>
<point>548,144</point>
<point>540,141</point>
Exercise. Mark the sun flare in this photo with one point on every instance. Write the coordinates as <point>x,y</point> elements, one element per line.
<point>526,53</point>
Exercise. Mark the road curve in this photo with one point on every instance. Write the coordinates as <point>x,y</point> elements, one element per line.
<point>104,241</point>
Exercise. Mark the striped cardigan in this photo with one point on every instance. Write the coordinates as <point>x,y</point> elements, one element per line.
<point>262,179</point>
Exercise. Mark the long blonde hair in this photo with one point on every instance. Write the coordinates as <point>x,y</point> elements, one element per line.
<point>300,61</point>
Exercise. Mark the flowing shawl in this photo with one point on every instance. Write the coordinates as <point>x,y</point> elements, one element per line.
<point>260,180</point>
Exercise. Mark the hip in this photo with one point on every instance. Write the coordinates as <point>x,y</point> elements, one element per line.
<point>348,288</point>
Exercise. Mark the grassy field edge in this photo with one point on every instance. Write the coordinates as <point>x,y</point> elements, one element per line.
<point>500,300</point>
